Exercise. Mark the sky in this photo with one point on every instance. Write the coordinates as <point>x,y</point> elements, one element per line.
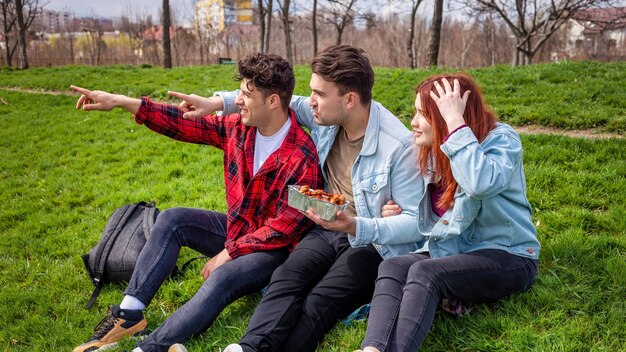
<point>116,8</point>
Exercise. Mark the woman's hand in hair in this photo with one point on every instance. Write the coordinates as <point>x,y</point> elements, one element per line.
<point>391,209</point>
<point>450,103</point>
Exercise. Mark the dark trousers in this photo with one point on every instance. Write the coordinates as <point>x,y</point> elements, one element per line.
<point>204,231</point>
<point>322,281</point>
<point>410,287</point>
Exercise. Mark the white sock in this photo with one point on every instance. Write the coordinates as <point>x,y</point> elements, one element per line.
<point>137,350</point>
<point>132,303</point>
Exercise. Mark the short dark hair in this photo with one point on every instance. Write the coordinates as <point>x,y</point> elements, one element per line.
<point>348,68</point>
<point>269,73</point>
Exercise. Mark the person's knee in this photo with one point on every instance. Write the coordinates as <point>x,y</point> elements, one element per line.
<point>170,216</point>
<point>424,273</point>
<point>391,267</point>
<point>167,221</point>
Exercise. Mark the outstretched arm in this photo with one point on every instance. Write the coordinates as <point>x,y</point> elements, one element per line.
<point>104,101</point>
<point>195,106</point>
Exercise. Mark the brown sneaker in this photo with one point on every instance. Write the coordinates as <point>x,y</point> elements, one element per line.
<point>116,325</point>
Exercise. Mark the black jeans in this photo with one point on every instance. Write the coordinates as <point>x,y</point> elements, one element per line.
<point>410,287</point>
<point>322,281</point>
<point>204,231</point>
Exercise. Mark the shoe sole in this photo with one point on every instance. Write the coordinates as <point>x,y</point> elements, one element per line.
<point>111,341</point>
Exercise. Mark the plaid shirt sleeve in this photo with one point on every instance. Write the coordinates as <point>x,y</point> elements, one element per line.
<point>168,120</point>
<point>286,228</point>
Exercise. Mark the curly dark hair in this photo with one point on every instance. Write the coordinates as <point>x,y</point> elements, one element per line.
<point>270,74</point>
<point>348,68</point>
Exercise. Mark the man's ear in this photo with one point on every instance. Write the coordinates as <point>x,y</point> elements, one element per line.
<point>352,99</point>
<point>273,101</point>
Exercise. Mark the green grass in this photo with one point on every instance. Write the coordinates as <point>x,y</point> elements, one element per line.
<point>62,173</point>
<point>567,95</point>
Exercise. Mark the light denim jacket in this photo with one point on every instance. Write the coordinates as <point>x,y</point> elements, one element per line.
<point>491,210</point>
<point>386,168</point>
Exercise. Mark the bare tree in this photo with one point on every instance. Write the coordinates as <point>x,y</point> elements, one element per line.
<point>435,34</point>
<point>339,14</point>
<point>262,12</point>
<point>167,45</point>
<point>8,25</point>
<point>410,47</point>
<point>284,9</point>
<point>68,31</point>
<point>314,27</point>
<point>17,18</point>
<point>265,9</point>
<point>95,44</point>
<point>21,35</point>
<point>532,22</point>
<point>268,30</point>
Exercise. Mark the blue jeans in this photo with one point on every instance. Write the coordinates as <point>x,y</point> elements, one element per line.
<point>323,280</point>
<point>204,231</point>
<point>410,287</point>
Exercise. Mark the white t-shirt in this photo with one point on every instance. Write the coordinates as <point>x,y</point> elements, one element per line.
<point>264,146</point>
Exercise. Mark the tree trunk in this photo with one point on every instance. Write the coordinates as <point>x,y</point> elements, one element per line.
<point>21,38</point>
<point>261,10</point>
<point>435,34</point>
<point>314,27</point>
<point>7,26</point>
<point>287,29</point>
<point>339,35</point>
<point>268,31</point>
<point>492,37</point>
<point>410,47</point>
<point>167,45</point>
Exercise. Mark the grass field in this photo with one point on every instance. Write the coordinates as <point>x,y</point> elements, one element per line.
<point>62,172</point>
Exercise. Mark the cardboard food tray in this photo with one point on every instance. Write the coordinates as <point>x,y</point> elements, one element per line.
<point>325,210</point>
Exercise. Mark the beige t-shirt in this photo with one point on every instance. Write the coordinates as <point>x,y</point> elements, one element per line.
<point>339,166</point>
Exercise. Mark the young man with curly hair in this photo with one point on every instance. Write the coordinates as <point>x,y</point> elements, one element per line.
<point>265,150</point>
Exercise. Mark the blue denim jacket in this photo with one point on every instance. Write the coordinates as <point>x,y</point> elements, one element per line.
<point>386,168</point>
<point>491,210</point>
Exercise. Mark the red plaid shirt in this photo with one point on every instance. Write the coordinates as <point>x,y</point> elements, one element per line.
<point>259,218</point>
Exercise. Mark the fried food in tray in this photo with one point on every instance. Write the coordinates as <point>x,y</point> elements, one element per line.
<point>320,194</point>
<point>324,204</point>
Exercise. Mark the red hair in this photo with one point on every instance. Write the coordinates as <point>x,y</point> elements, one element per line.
<point>477,116</point>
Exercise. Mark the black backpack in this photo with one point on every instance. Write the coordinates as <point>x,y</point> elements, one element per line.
<point>113,259</point>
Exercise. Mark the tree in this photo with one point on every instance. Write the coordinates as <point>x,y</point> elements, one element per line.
<point>68,33</point>
<point>532,22</point>
<point>265,10</point>
<point>167,45</point>
<point>16,24</point>
<point>284,9</point>
<point>314,27</point>
<point>410,47</point>
<point>8,24</point>
<point>21,34</point>
<point>339,13</point>
<point>435,34</point>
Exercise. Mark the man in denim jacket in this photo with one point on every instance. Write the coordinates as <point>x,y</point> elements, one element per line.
<point>366,154</point>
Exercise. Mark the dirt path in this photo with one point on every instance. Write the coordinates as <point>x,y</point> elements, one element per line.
<point>529,129</point>
<point>589,133</point>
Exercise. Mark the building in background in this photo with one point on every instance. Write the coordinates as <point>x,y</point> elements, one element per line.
<point>53,21</point>
<point>216,15</point>
<point>598,34</point>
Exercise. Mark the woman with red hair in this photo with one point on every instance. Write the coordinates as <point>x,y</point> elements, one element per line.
<point>479,241</point>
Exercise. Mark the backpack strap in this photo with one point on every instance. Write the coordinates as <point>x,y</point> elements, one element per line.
<point>94,296</point>
<point>178,272</point>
